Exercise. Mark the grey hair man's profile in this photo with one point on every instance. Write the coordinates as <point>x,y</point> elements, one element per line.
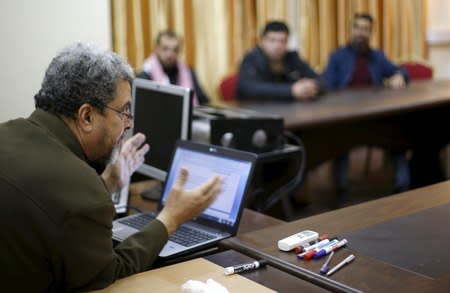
<point>56,210</point>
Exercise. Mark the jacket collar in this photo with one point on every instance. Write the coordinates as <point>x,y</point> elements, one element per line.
<point>58,130</point>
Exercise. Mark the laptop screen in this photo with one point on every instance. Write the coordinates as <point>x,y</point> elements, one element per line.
<point>202,166</point>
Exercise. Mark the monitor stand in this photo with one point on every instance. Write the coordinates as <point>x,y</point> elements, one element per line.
<point>153,193</point>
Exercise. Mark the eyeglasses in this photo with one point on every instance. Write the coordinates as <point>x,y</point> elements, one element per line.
<point>123,114</point>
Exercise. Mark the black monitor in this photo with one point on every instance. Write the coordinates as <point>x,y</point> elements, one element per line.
<point>163,113</point>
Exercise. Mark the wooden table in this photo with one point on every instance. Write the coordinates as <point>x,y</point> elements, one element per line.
<point>170,278</point>
<point>365,273</point>
<point>269,276</point>
<point>337,121</point>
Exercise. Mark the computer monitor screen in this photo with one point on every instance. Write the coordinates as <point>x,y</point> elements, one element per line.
<point>163,113</point>
<point>203,163</point>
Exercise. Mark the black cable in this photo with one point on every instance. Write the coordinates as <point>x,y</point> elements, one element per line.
<point>296,181</point>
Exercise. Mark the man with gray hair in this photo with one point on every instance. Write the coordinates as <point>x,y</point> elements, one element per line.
<point>56,210</point>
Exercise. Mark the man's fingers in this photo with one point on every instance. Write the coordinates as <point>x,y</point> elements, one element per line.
<point>137,139</point>
<point>142,151</point>
<point>134,142</point>
<point>401,83</point>
<point>396,84</point>
<point>397,81</point>
<point>182,178</point>
<point>213,192</point>
<point>208,185</point>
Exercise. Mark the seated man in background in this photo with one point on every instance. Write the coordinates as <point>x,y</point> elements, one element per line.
<point>271,72</point>
<point>358,65</point>
<point>56,210</point>
<point>165,66</point>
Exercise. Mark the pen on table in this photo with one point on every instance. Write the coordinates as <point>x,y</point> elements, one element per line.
<point>312,253</point>
<point>311,247</point>
<point>324,268</point>
<point>328,249</point>
<point>347,260</point>
<point>245,267</point>
<point>303,248</point>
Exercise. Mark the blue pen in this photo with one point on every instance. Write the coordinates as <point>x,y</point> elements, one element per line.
<point>328,249</point>
<point>324,269</point>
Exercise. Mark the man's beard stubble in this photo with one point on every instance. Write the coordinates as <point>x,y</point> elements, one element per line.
<point>360,44</point>
<point>111,155</point>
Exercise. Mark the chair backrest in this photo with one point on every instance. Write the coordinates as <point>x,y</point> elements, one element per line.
<point>228,87</point>
<point>418,71</point>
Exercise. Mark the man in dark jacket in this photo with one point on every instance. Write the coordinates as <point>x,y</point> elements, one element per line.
<point>358,65</point>
<point>56,210</point>
<point>271,72</point>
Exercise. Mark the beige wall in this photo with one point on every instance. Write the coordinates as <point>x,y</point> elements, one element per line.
<point>439,37</point>
<point>439,58</point>
<point>31,33</point>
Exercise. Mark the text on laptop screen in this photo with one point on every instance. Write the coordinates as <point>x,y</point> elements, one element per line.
<point>201,168</point>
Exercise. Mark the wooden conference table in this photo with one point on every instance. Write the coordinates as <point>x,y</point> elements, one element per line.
<point>211,262</point>
<point>170,278</point>
<point>400,243</point>
<point>337,121</point>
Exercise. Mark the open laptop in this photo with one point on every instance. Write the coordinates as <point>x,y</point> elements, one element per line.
<point>221,219</point>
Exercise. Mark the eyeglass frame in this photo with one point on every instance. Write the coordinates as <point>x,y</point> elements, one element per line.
<point>122,114</point>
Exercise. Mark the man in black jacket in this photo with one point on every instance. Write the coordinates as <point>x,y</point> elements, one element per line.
<point>271,72</point>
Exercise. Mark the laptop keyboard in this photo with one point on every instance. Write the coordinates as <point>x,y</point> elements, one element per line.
<point>137,222</point>
<point>188,237</point>
<point>183,235</point>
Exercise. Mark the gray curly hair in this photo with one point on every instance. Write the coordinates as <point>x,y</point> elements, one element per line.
<point>79,74</point>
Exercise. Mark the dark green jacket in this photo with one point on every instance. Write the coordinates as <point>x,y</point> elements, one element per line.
<point>56,214</point>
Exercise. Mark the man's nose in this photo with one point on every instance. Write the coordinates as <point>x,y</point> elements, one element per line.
<point>129,123</point>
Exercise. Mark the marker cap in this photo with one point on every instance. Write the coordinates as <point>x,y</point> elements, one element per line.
<point>262,262</point>
<point>323,237</point>
<point>309,255</point>
<point>324,271</point>
<point>229,271</point>
<point>320,253</point>
<point>298,249</point>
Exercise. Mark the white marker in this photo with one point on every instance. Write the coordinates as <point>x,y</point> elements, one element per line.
<point>341,264</point>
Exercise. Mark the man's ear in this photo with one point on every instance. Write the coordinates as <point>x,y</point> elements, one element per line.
<point>85,117</point>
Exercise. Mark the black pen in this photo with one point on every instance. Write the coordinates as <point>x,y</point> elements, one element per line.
<point>245,267</point>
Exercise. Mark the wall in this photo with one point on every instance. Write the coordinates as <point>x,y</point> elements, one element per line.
<point>439,37</point>
<point>439,58</point>
<point>31,33</point>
